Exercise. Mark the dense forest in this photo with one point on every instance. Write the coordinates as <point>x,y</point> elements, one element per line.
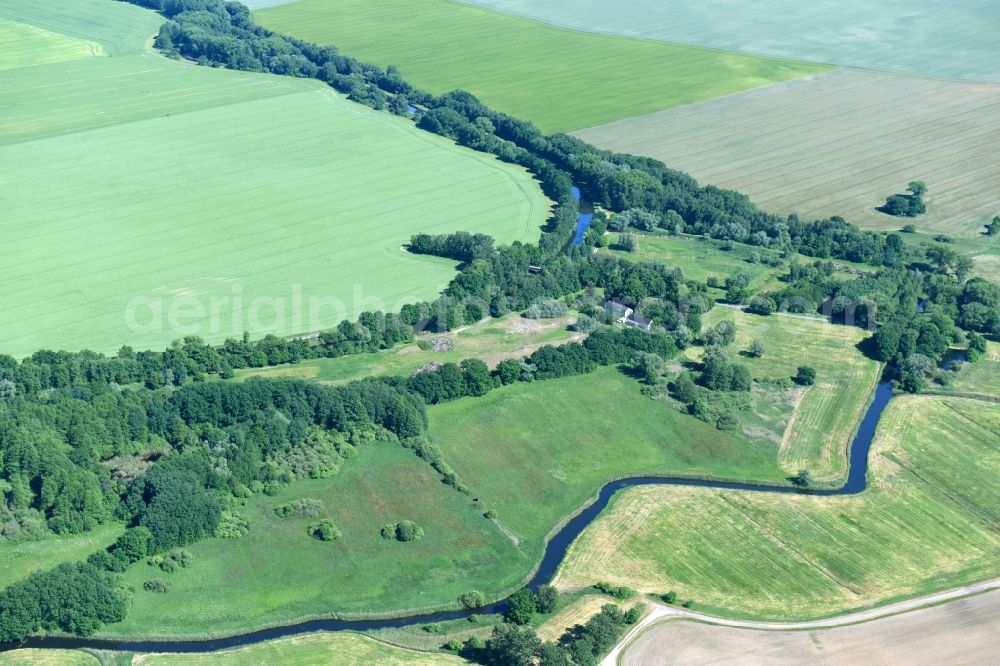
<point>141,439</point>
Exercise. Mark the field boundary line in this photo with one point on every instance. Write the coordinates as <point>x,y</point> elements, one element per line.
<point>751,54</point>
<point>661,614</point>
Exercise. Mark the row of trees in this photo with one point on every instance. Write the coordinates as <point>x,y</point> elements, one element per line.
<point>646,191</point>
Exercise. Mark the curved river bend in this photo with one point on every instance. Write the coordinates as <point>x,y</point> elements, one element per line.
<point>555,552</point>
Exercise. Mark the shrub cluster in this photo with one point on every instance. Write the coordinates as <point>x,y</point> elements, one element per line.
<point>306,507</point>
<point>404,530</point>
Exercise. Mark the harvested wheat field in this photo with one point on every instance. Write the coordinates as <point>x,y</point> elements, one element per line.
<point>961,632</point>
<point>837,144</point>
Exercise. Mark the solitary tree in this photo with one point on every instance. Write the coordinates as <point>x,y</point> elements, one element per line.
<point>805,376</point>
<point>803,478</point>
<point>993,228</point>
<point>628,242</point>
<point>756,348</point>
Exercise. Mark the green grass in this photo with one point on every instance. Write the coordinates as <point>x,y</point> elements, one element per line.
<point>560,79</point>
<point>278,574</point>
<point>219,194</point>
<point>983,250</point>
<point>33,657</point>
<point>17,560</point>
<point>491,340</point>
<point>927,522</point>
<point>815,424</point>
<point>983,376</point>
<point>343,649</point>
<point>701,258</point>
<point>536,452</point>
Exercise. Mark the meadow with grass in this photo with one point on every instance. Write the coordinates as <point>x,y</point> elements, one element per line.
<point>534,453</point>
<point>35,657</point>
<point>343,649</point>
<point>559,79</point>
<point>278,574</point>
<point>152,216</point>
<point>491,340</point>
<point>20,558</point>
<point>927,522</point>
<point>702,258</point>
<point>809,427</point>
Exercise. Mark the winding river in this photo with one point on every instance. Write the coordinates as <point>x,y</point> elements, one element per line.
<point>555,553</point>
<point>583,218</point>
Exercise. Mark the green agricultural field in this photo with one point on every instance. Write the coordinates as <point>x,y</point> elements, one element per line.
<point>31,657</point>
<point>278,574</point>
<point>343,649</point>
<point>983,376</point>
<point>817,423</point>
<point>117,28</point>
<point>839,144</point>
<point>491,340</point>
<point>27,45</point>
<point>927,522</point>
<point>151,215</point>
<point>955,40</point>
<point>17,560</point>
<point>560,79</point>
<point>536,452</point>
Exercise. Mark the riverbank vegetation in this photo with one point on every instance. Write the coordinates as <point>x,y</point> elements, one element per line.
<point>927,522</point>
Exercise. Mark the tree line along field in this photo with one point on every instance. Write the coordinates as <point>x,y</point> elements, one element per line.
<point>559,79</point>
<point>135,179</point>
<point>838,143</point>
<point>953,40</point>
<point>814,425</point>
<point>490,340</point>
<point>957,632</point>
<point>927,522</point>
